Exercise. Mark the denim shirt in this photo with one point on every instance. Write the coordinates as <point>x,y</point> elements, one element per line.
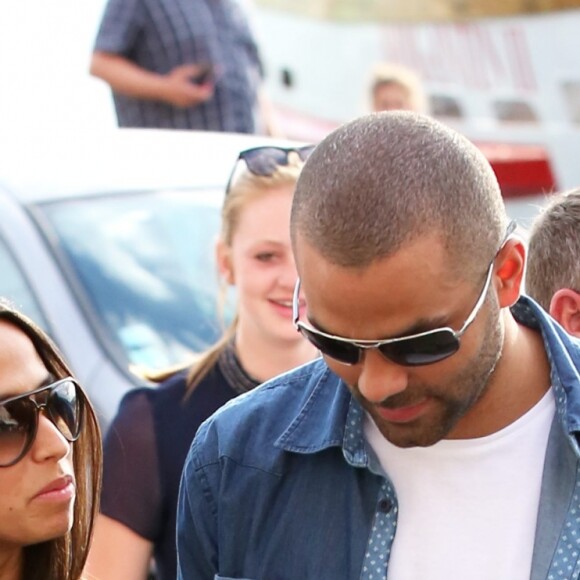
<point>280,484</point>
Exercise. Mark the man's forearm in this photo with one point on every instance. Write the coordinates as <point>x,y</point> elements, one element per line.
<point>127,78</point>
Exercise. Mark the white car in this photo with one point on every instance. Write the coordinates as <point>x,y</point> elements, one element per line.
<point>106,240</point>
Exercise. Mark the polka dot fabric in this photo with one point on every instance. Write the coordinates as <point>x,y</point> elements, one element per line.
<point>563,563</point>
<point>382,536</point>
<point>385,521</point>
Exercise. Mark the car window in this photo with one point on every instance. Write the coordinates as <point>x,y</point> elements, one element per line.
<point>143,264</point>
<point>514,111</point>
<point>14,287</point>
<point>445,106</point>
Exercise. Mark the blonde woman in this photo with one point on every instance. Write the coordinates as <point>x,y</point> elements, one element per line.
<point>150,437</point>
<point>396,87</point>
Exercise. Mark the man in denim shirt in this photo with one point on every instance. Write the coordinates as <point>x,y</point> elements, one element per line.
<point>436,439</point>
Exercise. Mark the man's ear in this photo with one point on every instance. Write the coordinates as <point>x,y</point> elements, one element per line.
<point>565,308</point>
<point>510,272</point>
<point>224,262</point>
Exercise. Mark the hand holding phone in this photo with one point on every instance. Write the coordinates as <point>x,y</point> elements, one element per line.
<point>204,76</point>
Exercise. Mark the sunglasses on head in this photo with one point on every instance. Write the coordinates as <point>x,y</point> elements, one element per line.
<point>264,161</point>
<point>63,403</point>
<point>419,349</point>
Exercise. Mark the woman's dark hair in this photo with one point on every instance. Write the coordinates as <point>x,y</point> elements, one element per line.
<point>64,558</point>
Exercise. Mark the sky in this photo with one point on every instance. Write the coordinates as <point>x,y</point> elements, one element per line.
<point>45,49</point>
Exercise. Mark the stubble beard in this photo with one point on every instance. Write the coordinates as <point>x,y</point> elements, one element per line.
<point>450,401</point>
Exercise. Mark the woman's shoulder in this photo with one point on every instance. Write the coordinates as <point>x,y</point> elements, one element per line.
<point>175,385</point>
<point>176,390</point>
<point>143,410</point>
<point>175,396</point>
<point>144,399</point>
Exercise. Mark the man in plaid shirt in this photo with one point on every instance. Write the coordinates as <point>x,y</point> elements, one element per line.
<point>180,64</point>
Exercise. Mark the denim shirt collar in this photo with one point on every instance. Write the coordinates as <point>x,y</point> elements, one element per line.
<point>320,421</point>
<point>563,352</point>
<point>331,417</point>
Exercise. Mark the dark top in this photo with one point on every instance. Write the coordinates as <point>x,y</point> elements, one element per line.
<point>159,35</point>
<point>146,446</point>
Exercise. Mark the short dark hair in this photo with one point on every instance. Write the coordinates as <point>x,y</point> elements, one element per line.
<point>554,248</point>
<point>64,558</point>
<point>388,178</point>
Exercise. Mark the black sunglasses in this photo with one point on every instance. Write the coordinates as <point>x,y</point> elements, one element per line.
<point>419,349</point>
<point>64,404</point>
<point>264,161</point>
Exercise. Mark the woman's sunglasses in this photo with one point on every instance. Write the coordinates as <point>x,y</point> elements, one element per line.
<point>264,161</point>
<point>63,403</point>
<point>420,349</point>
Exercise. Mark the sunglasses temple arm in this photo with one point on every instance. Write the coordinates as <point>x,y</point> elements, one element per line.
<point>295,303</point>
<point>510,229</point>
<point>479,302</point>
<point>229,183</point>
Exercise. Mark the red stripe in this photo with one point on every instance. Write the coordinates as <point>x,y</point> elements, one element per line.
<point>520,169</point>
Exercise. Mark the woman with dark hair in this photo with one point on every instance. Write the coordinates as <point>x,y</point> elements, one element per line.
<point>50,458</point>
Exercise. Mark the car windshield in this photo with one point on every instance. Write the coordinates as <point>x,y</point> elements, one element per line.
<point>143,268</point>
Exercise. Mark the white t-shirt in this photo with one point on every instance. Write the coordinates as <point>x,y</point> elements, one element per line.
<point>467,508</point>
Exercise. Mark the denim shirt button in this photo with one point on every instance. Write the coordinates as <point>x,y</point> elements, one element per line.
<point>385,506</point>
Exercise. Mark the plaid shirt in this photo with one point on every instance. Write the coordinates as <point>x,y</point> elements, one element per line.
<point>159,35</point>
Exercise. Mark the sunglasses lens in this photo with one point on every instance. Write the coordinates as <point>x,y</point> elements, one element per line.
<point>423,350</point>
<point>304,152</point>
<point>341,351</point>
<point>65,408</point>
<point>17,427</point>
<point>265,160</point>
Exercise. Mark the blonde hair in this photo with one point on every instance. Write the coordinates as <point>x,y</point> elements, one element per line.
<point>245,188</point>
<point>389,73</point>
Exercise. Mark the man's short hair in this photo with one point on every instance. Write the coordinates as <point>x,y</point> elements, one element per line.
<point>554,249</point>
<point>388,178</point>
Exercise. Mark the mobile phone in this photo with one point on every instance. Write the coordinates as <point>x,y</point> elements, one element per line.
<point>205,75</point>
